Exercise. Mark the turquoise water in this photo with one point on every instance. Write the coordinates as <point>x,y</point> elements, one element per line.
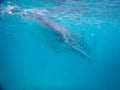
<point>57,45</point>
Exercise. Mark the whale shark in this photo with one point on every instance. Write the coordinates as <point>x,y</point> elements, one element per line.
<point>63,34</point>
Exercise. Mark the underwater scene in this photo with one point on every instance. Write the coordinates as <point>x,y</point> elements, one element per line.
<point>59,44</point>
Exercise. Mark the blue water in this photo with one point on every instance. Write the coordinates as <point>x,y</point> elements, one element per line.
<point>59,45</point>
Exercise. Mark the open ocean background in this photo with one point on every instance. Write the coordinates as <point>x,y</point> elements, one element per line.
<point>34,57</point>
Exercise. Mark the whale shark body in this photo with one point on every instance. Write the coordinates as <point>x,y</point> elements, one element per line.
<point>68,37</point>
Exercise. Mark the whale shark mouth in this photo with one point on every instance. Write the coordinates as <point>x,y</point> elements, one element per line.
<point>68,37</point>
